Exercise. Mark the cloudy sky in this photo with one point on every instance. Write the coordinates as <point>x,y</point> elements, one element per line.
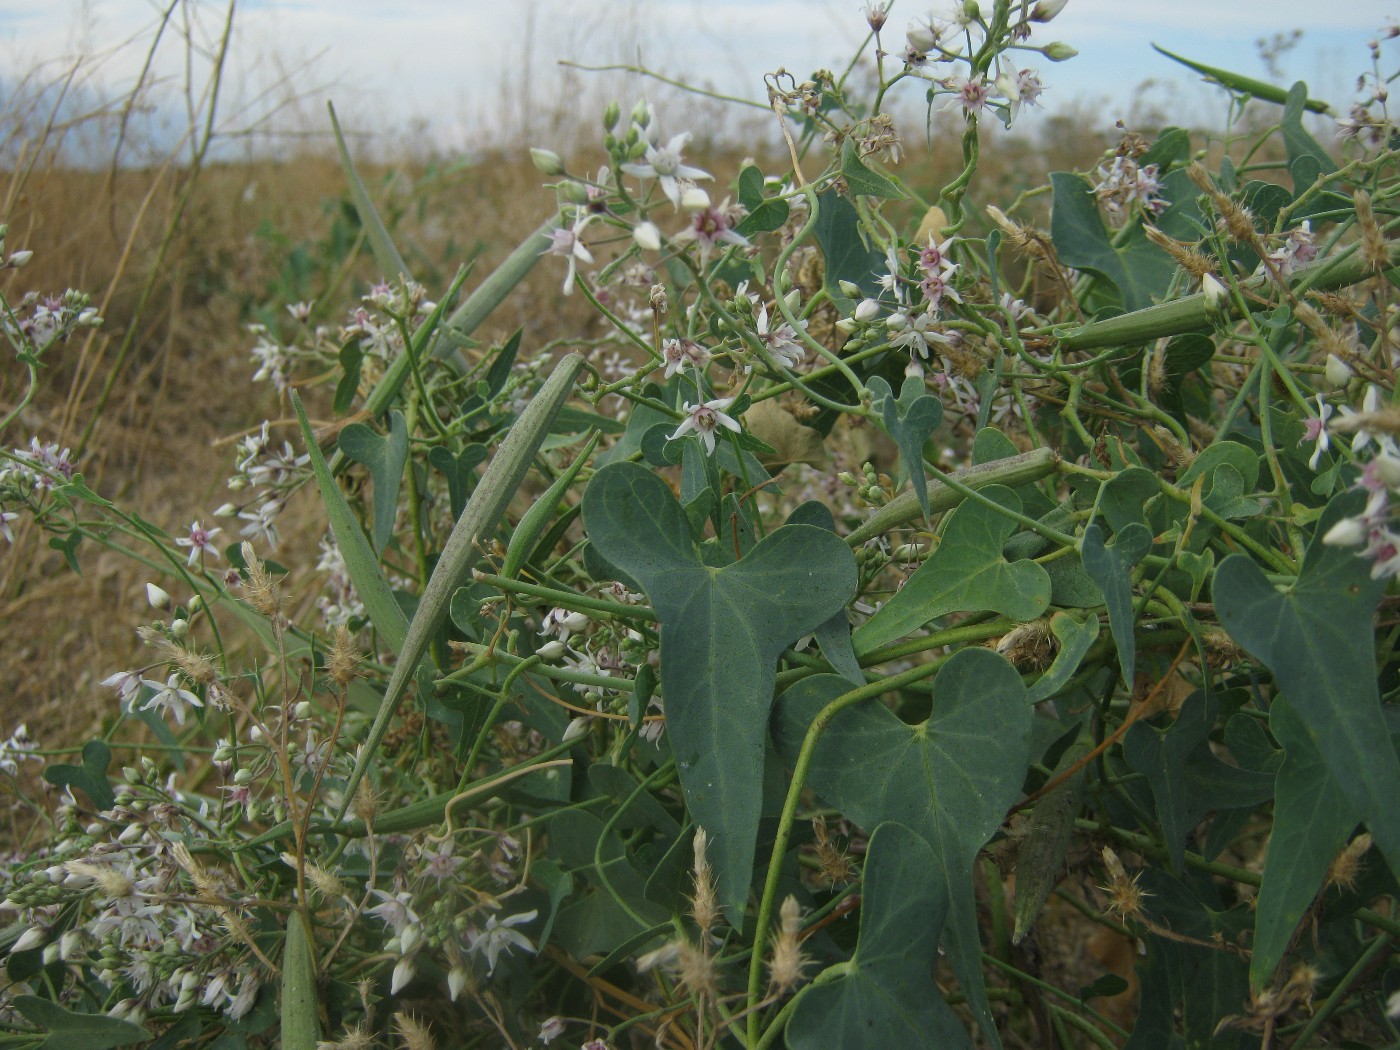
<point>462,71</point>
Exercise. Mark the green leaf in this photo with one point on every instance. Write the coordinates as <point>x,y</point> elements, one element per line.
<point>1317,638</point>
<point>1312,821</point>
<point>390,262</point>
<point>834,636</point>
<point>1111,568</point>
<point>1131,263</point>
<point>1296,138</point>
<point>966,573</point>
<point>848,256</point>
<point>909,421</point>
<point>951,779</point>
<point>722,629</point>
<point>483,511</point>
<point>459,470</point>
<point>1244,85</point>
<point>765,213</point>
<point>1186,777</point>
<point>89,778</point>
<point>385,457</point>
<point>1040,861</point>
<point>886,995</point>
<point>351,357</point>
<point>360,560</point>
<point>1074,639</point>
<point>861,180</point>
<point>70,1031</point>
<point>301,1019</point>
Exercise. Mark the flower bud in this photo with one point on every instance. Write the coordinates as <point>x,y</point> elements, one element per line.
<point>302,709</point>
<point>1338,372</point>
<point>647,236</point>
<point>157,596</point>
<point>1058,52</point>
<point>180,627</point>
<point>921,38</point>
<point>1217,295</point>
<point>641,113</point>
<point>20,259</point>
<point>694,198</point>
<point>1045,10</point>
<point>1387,468</point>
<point>846,325</point>
<point>1349,532</point>
<point>29,939</point>
<point>574,192</point>
<point>578,727</point>
<point>849,289</point>
<point>457,978</point>
<point>867,310</point>
<point>611,116</point>
<point>546,161</point>
<point>575,621</point>
<point>242,777</point>
<point>411,937</point>
<point>550,650</point>
<point>793,299</point>
<point>51,955</point>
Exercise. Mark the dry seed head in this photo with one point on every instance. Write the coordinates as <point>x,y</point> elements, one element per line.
<point>1125,896</point>
<point>696,970</point>
<point>261,589</point>
<point>343,661</point>
<point>1347,864</point>
<point>1386,421</point>
<point>357,1038</point>
<point>1337,304</point>
<point>835,866</point>
<point>1373,243</point>
<point>785,967</point>
<point>1221,649</point>
<point>327,883</point>
<point>109,882</point>
<point>366,802</point>
<point>1188,258</point>
<point>415,1034</point>
<point>704,905</point>
<point>195,666</point>
<point>1030,645</point>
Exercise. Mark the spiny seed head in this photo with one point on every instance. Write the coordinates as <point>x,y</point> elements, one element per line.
<point>1125,896</point>
<point>343,661</point>
<point>357,1038</point>
<point>327,883</point>
<point>261,589</point>
<point>1029,645</point>
<point>1185,256</point>
<point>109,882</point>
<point>785,967</point>
<point>1373,243</point>
<point>196,666</point>
<point>835,866</point>
<point>695,970</point>
<point>366,802</point>
<point>1347,864</point>
<point>416,1035</point>
<point>704,905</point>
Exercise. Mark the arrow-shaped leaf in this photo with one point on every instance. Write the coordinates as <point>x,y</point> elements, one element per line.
<point>909,421</point>
<point>722,629</point>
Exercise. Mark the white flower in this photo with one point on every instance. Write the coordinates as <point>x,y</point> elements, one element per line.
<point>781,341</point>
<point>663,163</point>
<point>567,243</point>
<point>1349,532</point>
<point>1315,430</point>
<point>170,697</point>
<point>498,937</point>
<point>704,418</point>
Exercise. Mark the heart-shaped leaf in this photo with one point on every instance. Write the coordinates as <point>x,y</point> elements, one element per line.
<point>1318,639</point>
<point>1312,820</point>
<point>385,457</point>
<point>886,995</point>
<point>951,778</point>
<point>459,470</point>
<point>967,573</point>
<point>909,421</point>
<point>861,179</point>
<point>89,778</point>
<point>1133,264</point>
<point>722,629</point>
<point>1187,779</point>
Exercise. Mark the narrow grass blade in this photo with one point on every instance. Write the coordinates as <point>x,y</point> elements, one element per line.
<point>479,517</point>
<point>385,254</point>
<point>360,560</point>
<point>1259,89</point>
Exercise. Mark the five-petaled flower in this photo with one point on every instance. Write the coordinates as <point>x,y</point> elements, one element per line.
<point>663,163</point>
<point>498,937</point>
<point>780,341</point>
<point>568,244</point>
<point>704,418</point>
<point>199,541</point>
<point>1315,430</point>
<point>171,697</point>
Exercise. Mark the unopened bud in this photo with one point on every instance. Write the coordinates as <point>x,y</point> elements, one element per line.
<point>647,236</point>
<point>922,38</point>
<point>611,115</point>
<point>157,596</point>
<point>1045,10</point>
<point>641,114</point>
<point>849,289</point>
<point>867,310</point>
<point>1338,372</point>
<point>694,198</point>
<point>1058,52</point>
<point>179,628</point>
<point>546,161</point>
<point>20,259</point>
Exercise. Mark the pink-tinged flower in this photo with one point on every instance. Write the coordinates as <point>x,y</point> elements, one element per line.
<point>126,683</point>
<point>498,937</point>
<point>934,258</point>
<point>709,226</point>
<point>1299,250</point>
<point>915,333</point>
<point>568,244</point>
<point>781,342</point>
<point>936,287</point>
<point>1028,87</point>
<point>703,419</point>
<point>971,94</point>
<point>551,1028</point>
<point>394,911</point>
<point>663,163</point>
<point>680,353</point>
<point>1315,430</point>
<point>199,541</point>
